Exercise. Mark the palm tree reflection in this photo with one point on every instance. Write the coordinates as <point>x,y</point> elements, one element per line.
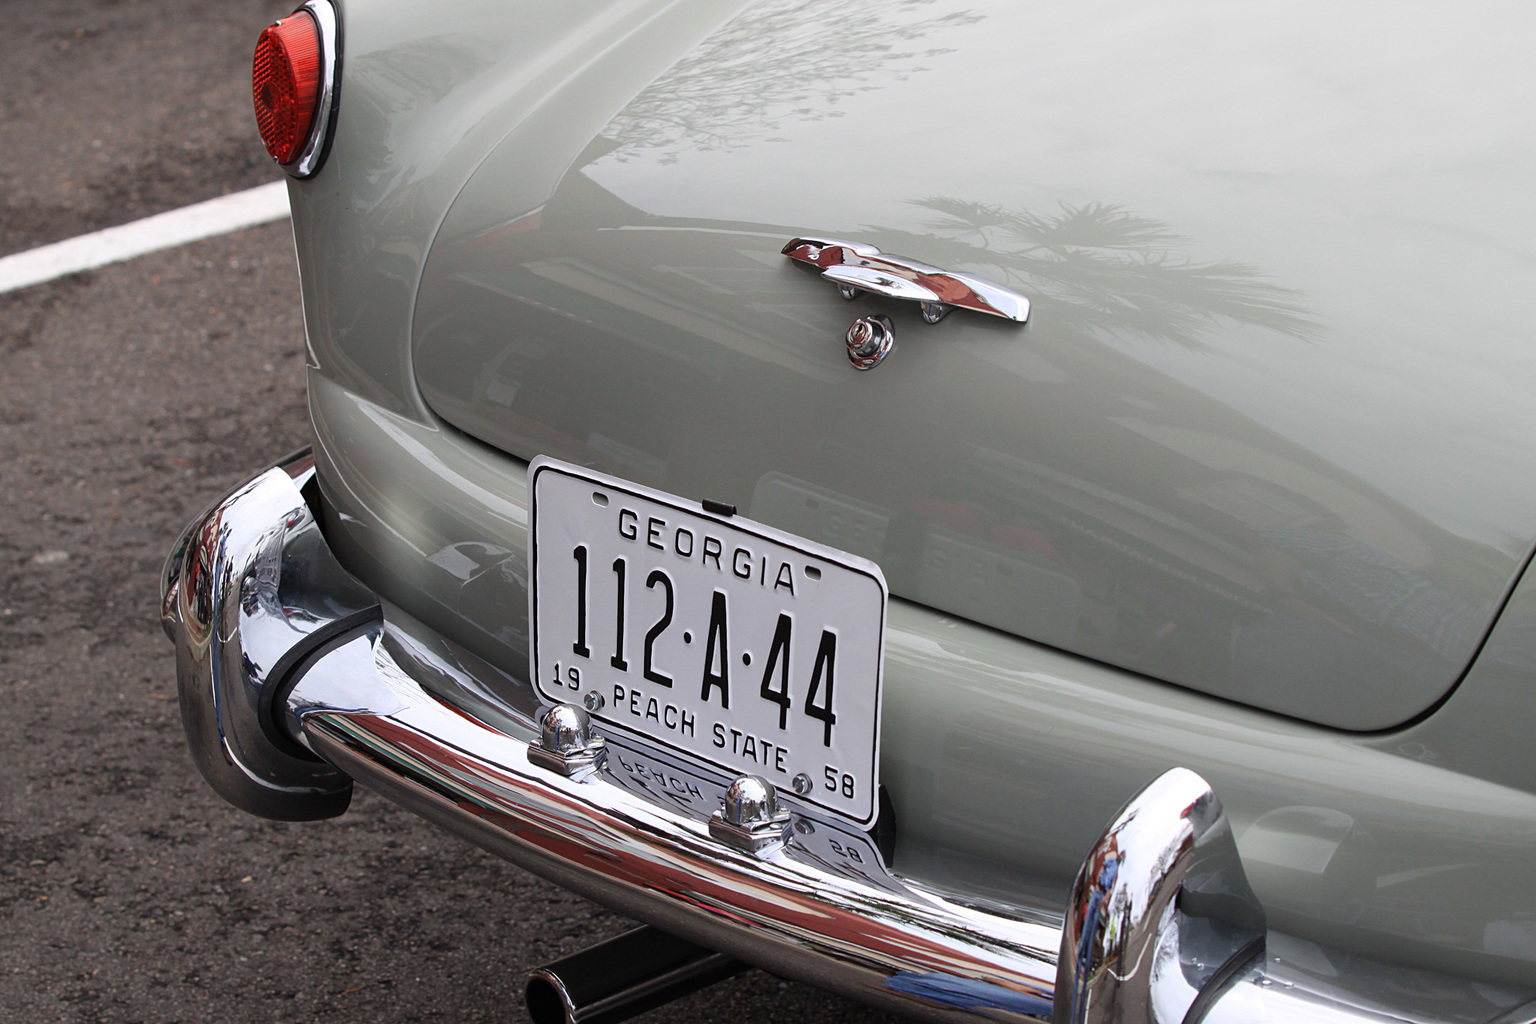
<point>1089,269</point>
<point>1100,268</point>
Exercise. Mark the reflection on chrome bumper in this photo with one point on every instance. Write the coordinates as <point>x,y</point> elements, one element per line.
<point>282,656</point>
<point>248,590</point>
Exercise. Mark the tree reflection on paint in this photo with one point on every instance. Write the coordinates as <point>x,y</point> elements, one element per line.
<point>1100,268</point>
<point>1092,269</point>
<point>793,60</point>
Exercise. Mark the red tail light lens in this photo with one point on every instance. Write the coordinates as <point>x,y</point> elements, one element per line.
<point>285,82</point>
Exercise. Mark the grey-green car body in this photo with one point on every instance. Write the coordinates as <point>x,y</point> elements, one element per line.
<point>1251,493</point>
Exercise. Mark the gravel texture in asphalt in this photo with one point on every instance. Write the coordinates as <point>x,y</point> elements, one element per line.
<point>130,398</point>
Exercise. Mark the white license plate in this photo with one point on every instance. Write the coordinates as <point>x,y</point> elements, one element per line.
<point>724,639</point>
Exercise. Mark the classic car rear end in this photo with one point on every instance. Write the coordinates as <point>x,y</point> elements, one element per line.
<point>1240,510</point>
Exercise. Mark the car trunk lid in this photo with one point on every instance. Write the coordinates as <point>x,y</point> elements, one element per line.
<point>1244,443</point>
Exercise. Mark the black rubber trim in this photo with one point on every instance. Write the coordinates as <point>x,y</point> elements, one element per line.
<point>291,666</point>
<point>883,834</point>
<point>1225,975</point>
<point>719,508</point>
<point>310,492</point>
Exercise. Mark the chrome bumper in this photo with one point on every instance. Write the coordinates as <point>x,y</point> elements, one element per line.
<point>294,681</point>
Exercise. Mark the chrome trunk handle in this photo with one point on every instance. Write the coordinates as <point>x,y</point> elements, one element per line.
<point>856,268</point>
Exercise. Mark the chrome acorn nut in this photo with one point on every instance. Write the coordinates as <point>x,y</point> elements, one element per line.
<point>870,339</point>
<point>751,819</point>
<point>751,799</point>
<point>566,743</point>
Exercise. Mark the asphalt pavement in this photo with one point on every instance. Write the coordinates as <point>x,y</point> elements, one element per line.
<point>131,396</point>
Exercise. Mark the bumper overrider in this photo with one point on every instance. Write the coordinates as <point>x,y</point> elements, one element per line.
<point>295,680</point>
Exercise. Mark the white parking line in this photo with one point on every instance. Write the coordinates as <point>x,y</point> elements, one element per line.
<point>258,205</point>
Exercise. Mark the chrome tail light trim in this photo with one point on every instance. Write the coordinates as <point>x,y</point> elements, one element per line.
<point>324,127</point>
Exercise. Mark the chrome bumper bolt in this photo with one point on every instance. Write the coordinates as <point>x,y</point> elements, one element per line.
<point>751,820</point>
<point>566,743</point>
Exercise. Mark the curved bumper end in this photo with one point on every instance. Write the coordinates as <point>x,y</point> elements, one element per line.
<point>248,594</point>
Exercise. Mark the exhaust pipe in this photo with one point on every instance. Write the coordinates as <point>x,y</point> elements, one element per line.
<point>624,976</point>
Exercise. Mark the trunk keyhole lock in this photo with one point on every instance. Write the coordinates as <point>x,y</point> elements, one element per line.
<point>870,339</point>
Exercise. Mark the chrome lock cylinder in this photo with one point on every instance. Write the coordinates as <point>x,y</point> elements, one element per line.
<point>566,743</point>
<point>751,819</point>
<point>870,339</point>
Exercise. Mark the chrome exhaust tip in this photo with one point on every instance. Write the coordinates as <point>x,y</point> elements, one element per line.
<point>623,976</point>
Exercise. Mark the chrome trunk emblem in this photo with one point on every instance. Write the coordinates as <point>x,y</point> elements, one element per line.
<point>857,268</point>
